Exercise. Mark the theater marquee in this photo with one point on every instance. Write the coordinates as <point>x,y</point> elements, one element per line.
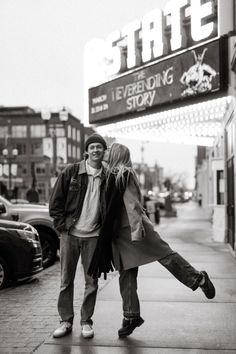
<point>195,72</point>
<point>161,32</point>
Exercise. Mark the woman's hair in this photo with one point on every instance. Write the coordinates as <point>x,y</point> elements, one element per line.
<point>119,162</point>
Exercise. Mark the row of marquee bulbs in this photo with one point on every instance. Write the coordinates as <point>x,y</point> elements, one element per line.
<point>201,120</point>
<point>207,129</point>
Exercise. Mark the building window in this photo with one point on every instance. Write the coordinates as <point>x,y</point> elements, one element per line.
<point>37,149</point>
<point>3,131</point>
<point>22,169</point>
<point>38,131</point>
<point>19,131</point>
<point>21,148</point>
<point>74,133</point>
<point>69,131</point>
<point>78,152</point>
<point>74,152</point>
<point>69,150</point>
<point>78,136</point>
<point>40,169</point>
<point>58,131</point>
<point>220,187</point>
<point>2,146</point>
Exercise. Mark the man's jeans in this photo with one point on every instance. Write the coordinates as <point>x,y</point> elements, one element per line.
<point>70,249</point>
<point>174,263</point>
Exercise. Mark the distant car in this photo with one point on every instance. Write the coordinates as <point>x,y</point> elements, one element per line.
<point>36,215</point>
<point>20,251</point>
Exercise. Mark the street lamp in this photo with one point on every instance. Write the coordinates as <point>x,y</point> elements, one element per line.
<point>8,158</point>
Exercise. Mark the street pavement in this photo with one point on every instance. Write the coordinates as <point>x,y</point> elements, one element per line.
<point>177,320</point>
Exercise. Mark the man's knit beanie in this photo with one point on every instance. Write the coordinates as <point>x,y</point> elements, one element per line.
<point>95,138</point>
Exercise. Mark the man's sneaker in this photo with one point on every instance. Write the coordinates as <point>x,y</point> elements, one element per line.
<point>87,331</point>
<point>129,325</point>
<point>64,329</point>
<point>207,287</point>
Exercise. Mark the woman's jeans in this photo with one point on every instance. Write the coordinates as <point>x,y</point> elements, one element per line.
<point>71,247</point>
<point>174,263</point>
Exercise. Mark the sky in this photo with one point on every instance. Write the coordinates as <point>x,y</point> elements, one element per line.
<point>41,62</point>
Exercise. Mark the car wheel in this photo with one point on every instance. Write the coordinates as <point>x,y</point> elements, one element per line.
<point>4,274</point>
<point>49,249</point>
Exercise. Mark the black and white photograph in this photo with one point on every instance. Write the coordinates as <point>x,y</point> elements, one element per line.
<point>117,177</point>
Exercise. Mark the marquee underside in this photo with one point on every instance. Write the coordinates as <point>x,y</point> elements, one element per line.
<point>196,124</point>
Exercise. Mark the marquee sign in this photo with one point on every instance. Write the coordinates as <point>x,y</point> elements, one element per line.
<point>180,25</point>
<point>197,71</point>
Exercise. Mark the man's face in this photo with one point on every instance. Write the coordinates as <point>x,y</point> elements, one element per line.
<point>95,152</point>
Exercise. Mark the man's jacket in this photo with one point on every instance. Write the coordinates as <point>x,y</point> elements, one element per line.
<point>66,201</point>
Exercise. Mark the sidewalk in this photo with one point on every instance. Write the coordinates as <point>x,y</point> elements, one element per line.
<point>177,320</point>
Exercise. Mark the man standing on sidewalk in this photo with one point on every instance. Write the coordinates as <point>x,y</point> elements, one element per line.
<point>75,205</point>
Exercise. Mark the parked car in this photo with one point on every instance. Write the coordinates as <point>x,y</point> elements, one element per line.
<point>20,251</point>
<point>36,215</point>
<point>19,201</point>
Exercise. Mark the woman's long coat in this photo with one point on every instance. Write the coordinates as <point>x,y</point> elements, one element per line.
<point>135,242</point>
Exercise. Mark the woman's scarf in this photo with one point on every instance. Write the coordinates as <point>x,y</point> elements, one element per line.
<point>102,260</point>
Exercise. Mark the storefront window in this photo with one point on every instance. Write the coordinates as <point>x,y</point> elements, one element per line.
<point>38,131</point>
<point>218,150</point>
<point>230,139</point>
<point>19,131</point>
<point>3,131</point>
<point>40,169</point>
<point>22,169</point>
<point>42,191</point>
<point>21,148</point>
<point>220,187</point>
<point>37,149</point>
